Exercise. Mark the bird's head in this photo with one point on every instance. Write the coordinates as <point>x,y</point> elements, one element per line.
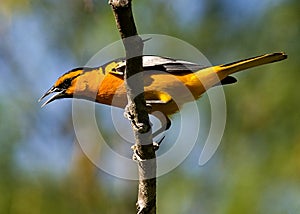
<point>73,83</point>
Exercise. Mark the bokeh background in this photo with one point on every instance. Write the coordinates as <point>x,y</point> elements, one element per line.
<point>257,166</point>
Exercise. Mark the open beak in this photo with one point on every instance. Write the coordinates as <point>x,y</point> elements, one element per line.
<point>58,95</point>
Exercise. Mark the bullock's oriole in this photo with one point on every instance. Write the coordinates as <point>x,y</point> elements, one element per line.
<point>165,81</point>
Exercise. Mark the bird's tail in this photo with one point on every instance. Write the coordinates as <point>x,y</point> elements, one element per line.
<point>233,67</point>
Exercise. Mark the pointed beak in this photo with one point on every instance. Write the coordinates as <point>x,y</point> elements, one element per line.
<point>58,95</point>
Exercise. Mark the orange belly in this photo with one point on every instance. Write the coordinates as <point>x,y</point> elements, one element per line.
<point>157,85</point>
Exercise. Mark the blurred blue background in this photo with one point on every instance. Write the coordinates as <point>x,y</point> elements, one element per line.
<point>257,166</point>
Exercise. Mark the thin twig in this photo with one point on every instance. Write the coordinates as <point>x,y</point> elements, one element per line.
<point>136,111</point>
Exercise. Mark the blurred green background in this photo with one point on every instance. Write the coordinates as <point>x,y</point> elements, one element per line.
<point>256,169</point>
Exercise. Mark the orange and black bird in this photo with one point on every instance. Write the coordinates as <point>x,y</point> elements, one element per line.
<point>168,83</point>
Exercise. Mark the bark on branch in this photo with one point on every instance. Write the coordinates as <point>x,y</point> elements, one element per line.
<point>136,111</point>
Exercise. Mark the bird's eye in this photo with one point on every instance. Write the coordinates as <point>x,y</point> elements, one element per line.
<point>66,83</point>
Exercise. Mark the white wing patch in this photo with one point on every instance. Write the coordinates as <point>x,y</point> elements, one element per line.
<point>167,64</point>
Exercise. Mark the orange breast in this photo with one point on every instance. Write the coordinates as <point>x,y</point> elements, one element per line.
<point>112,91</point>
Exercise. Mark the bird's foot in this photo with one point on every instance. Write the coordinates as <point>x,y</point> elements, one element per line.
<point>130,115</point>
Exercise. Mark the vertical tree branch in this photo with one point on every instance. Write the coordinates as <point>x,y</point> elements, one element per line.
<point>136,111</point>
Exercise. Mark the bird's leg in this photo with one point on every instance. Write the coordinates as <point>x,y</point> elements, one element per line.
<point>129,114</point>
<point>165,123</point>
